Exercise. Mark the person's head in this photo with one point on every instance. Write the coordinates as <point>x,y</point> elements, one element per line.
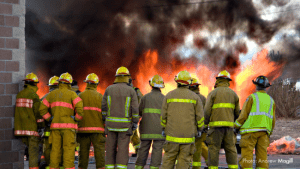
<point>122,75</point>
<point>224,75</point>
<point>194,84</point>
<point>92,79</point>
<point>261,83</point>
<point>31,79</point>
<point>183,78</point>
<point>66,78</point>
<point>157,82</point>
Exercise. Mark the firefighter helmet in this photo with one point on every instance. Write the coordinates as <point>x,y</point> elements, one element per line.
<point>53,81</point>
<point>183,78</point>
<point>224,74</point>
<point>195,82</point>
<point>157,81</point>
<point>66,78</point>
<point>122,71</point>
<point>262,81</point>
<point>92,78</point>
<point>31,77</point>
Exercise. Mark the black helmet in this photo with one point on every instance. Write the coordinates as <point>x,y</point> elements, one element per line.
<point>262,81</point>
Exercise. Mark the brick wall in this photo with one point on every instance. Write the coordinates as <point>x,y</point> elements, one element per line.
<point>12,71</point>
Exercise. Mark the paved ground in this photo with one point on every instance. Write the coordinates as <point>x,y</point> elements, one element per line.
<point>275,161</point>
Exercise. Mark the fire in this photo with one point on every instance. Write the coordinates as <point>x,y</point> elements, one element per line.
<point>285,145</point>
<point>241,84</point>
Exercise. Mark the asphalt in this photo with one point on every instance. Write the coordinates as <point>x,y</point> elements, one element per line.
<point>275,162</point>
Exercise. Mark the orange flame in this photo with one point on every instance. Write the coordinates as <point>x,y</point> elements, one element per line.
<point>242,85</point>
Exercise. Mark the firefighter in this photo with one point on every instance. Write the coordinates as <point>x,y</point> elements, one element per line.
<point>62,102</point>
<point>182,119</point>
<point>27,118</point>
<point>221,109</point>
<point>53,84</point>
<point>150,128</point>
<point>134,139</point>
<point>91,128</point>
<point>120,111</point>
<point>201,148</point>
<point>256,124</point>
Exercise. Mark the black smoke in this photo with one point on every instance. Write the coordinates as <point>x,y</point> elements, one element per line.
<point>100,35</point>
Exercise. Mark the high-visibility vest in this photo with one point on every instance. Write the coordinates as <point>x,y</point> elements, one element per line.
<point>261,114</point>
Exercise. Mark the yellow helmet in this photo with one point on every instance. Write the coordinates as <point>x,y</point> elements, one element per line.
<point>224,74</point>
<point>157,81</point>
<point>66,78</point>
<point>31,77</point>
<point>122,71</point>
<point>53,81</point>
<point>194,82</point>
<point>92,78</point>
<point>183,78</point>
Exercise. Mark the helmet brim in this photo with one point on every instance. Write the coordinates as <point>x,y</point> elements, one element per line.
<point>224,78</point>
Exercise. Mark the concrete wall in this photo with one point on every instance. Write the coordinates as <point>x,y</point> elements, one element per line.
<point>12,71</point>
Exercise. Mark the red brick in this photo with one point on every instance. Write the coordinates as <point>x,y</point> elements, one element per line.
<point>12,66</point>
<point>5,31</point>
<point>12,43</point>
<point>2,20</point>
<point>5,9</point>
<point>12,88</point>
<point>6,166</point>
<point>9,134</point>
<point>12,1</point>
<point>9,157</point>
<point>7,111</point>
<point>5,145</point>
<point>5,54</point>
<point>2,66</point>
<point>5,78</point>
<point>1,90</point>
<point>2,43</point>
<point>12,21</point>
<point>2,134</point>
<point>5,101</point>
<point>5,123</point>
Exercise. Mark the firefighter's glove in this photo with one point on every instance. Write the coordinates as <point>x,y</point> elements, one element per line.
<point>103,117</point>
<point>134,126</point>
<point>205,130</point>
<point>236,131</point>
<point>41,132</point>
<point>199,133</point>
<point>48,123</point>
<point>163,133</point>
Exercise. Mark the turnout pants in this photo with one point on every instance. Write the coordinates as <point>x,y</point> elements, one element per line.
<point>201,149</point>
<point>117,150</point>
<point>85,140</point>
<point>183,153</point>
<point>63,144</point>
<point>32,142</point>
<point>215,137</point>
<point>258,140</point>
<point>135,140</point>
<point>143,153</point>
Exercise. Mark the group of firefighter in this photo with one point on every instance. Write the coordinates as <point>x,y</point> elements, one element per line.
<point>176,123</point>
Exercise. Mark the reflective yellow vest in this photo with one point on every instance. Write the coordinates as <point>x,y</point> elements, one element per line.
<point>261,114</point>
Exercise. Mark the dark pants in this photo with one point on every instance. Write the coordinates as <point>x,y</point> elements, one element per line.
<point>143,153</point>
<point>117,149</point>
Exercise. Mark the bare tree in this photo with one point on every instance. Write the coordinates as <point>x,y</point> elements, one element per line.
<point>286,97</point>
